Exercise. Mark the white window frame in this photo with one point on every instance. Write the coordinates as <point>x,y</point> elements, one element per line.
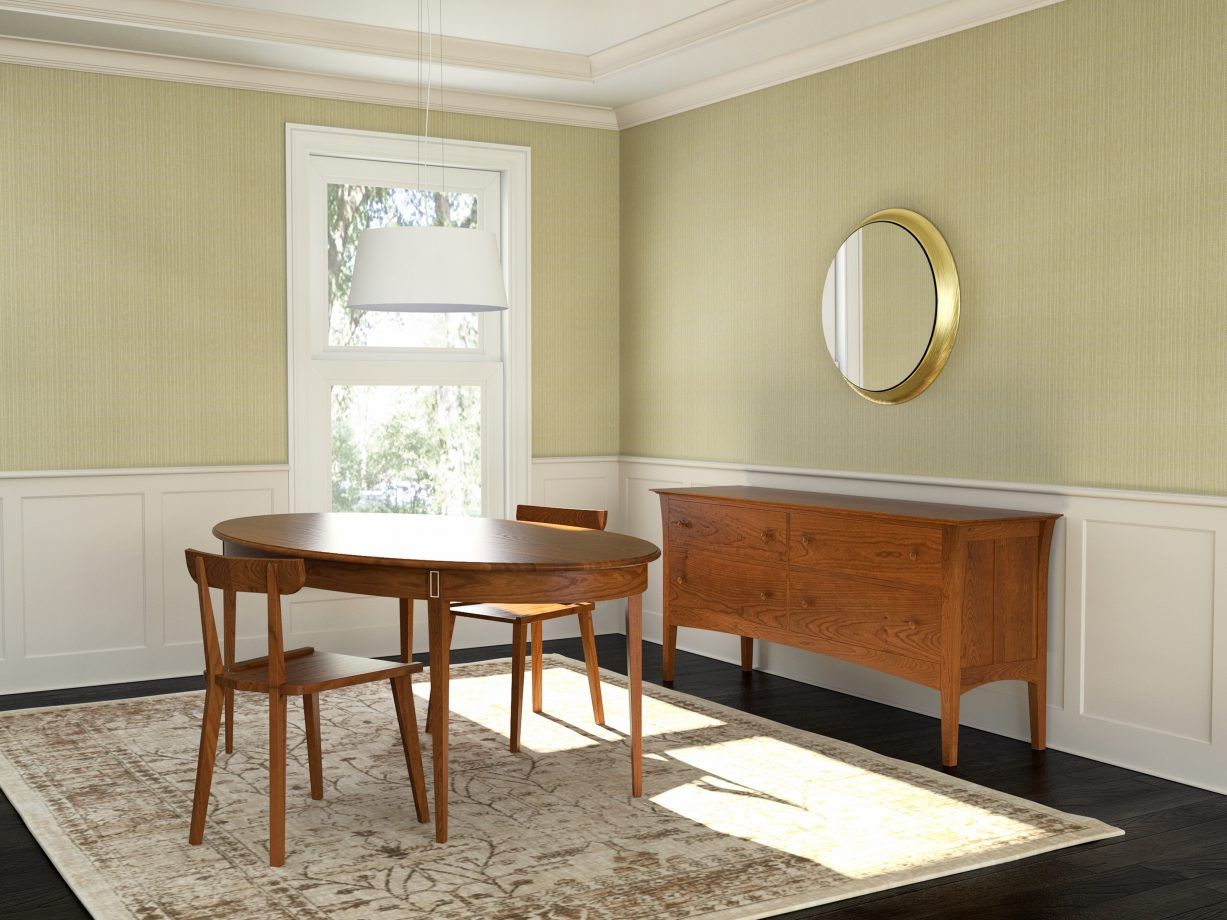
<point>306,320</point>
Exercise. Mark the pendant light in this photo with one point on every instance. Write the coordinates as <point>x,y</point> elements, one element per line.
<point>428,269</point>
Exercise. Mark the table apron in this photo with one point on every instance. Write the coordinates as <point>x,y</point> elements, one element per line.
<point>526,587</point>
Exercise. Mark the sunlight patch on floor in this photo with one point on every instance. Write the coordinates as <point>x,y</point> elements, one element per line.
<point>854,821</point>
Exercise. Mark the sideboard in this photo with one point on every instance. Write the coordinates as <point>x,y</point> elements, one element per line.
<point>949,596</point>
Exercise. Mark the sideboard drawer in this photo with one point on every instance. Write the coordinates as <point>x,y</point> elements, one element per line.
<point>861,548</point>
<point>753,533</point>
<point>889,618</point>
<point>699,582</point>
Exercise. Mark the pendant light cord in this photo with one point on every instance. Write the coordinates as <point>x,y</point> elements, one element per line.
<point>442,143</point>
<point>425,25</point>
<point>419,87</point>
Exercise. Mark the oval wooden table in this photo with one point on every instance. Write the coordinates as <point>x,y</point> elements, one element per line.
<point>443,560</point>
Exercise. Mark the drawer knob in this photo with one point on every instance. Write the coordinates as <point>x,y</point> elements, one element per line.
<point>912,554</point>
<point>681,580</point>
<point>804,540</point>
<point>804,603</point>
<point>765,536</point>
<point>764,594</point>
<point>682,523</point>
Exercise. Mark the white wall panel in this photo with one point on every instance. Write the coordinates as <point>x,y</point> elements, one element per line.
<point>1148,627</point>
<point>84,573</point>
<point>187,523</point>
<point>565,482</point>
<point>93,587</point>
<point>3,591</point>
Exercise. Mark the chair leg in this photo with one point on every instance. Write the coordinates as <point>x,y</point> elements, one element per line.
<point>538,633</point>
<point>315,757</point>
<point>517,682</point>
<point>406,719</point>
<point>590,662</point>
<point>430,704</point>
<point>276,778</point>
<point>210,722</point>
<point>229,607</point>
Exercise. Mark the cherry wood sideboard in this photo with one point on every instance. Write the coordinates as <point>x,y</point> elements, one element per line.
<point>949,596</point>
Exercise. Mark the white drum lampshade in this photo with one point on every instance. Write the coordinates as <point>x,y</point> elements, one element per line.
<point>427,270</point>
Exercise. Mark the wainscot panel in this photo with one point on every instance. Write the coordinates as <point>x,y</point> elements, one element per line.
<point>93,588</point>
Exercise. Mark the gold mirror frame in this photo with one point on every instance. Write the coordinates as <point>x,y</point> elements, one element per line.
<point>946,318</point>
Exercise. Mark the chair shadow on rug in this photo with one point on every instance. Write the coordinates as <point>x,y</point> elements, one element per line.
<point>298,672</point>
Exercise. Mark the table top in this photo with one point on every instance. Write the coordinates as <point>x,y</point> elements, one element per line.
<point>428,542</point>
<point>931,512</point>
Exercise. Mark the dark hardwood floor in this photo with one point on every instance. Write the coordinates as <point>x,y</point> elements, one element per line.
<point>1172,863</point>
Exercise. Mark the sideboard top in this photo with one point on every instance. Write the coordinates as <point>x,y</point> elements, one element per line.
<point>932,512</point>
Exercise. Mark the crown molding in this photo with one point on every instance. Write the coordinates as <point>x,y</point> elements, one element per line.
<point>914,29</point>
<point>297,83</point>
<point>294,29</point>
<point>728,18</point>
<point>701,27</point>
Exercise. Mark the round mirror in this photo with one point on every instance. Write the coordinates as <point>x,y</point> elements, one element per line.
<point>890,306</point>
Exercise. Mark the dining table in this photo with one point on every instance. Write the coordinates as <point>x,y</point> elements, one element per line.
<point>445,560</point>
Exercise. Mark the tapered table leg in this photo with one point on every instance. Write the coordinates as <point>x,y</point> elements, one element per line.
<point>437,613</point>
<point>406,629</point>
<point>634,671</point>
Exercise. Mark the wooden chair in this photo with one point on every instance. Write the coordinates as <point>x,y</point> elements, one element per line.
<point>298,672</point>
<point>522,616</point>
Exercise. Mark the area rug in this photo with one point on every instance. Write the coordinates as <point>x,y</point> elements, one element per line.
<point>741,817</point>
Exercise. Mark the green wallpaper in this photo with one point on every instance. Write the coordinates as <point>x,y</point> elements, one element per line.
<point>142,275</point>
<point>1074,158</point>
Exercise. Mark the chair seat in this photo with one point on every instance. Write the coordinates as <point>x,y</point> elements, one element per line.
<point>511,612</point>
<point>319,671</point>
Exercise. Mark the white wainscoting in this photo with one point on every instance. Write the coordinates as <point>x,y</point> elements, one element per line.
<point>582,482</point>
<point>93,586</point>
<point>94,590</point>
<point>1137,615</point>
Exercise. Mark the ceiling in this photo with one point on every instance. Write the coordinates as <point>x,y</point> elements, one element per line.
<point>606,63</point>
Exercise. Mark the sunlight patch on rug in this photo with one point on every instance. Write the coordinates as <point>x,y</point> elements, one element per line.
<point>858,822</point>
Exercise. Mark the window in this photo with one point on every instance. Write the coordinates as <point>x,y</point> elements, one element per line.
<point>424,413</point>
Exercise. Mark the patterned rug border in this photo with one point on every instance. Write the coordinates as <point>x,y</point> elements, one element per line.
<point>99,899</point>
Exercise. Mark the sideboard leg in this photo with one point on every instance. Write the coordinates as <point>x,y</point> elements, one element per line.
<point>950,726</point>
<point>670,651</point>
<point>747,654</point>
<point>1037,698</point>
<point>950,670</point>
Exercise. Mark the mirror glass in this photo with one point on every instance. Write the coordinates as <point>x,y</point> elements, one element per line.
<point>879,305</point>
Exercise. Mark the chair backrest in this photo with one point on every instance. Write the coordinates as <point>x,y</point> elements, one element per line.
<point>570,517</point>
<point>233,574</point>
